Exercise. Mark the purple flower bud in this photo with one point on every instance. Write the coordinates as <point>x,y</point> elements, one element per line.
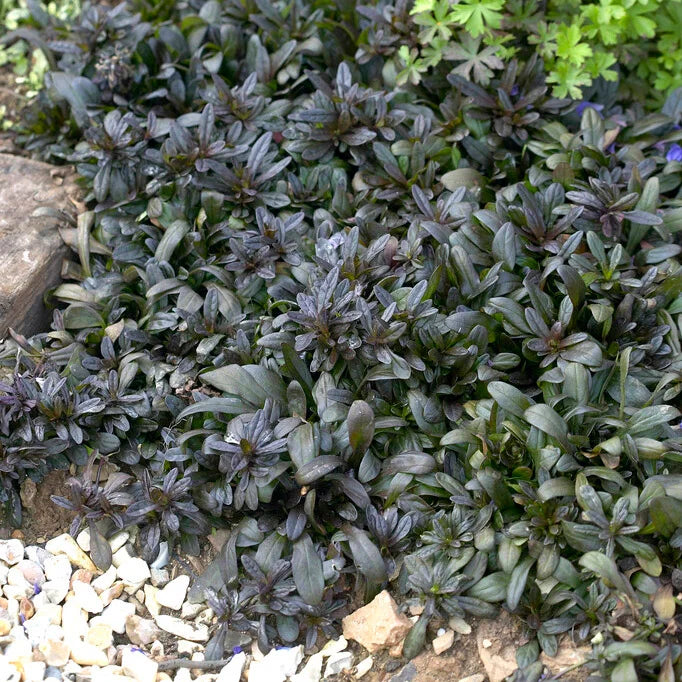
<point>515,90</point>
<point>237,650</point>
<point>674,153</point>
<point>586,103</point>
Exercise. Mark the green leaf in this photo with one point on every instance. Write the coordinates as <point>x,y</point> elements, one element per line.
<point>367,559</point>
<point>548,421</point>
<point>307,571</point>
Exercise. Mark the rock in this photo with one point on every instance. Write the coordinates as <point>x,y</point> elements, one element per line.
<point>65,544</point>
<point>188,648</point>
<point>53,673</point>
<point>105,581</point>
<point>56,652</point>
<point>5,627</point>
<point>51,612</point>
<point>117,613</point>
<point>333,646</point>
<point>26,609</point>
<point>100,635</point>
<point>11,551</point>
<point>134,572</point>
<point>139,666</point>
<point>73,618</point>
<point>56,590</point>
<point>160,578</point>
<point>277,665</point>
<point>84,653</point>
<point>232,672</point>
<point>338,662</point>
<point>87,598</point>
<point>34,671</point>
<point>173,594</point>
<point>362,668</point>
<point>183,675</point>
<point>312,671</point>
<point>499,660</point>
<point>141,631</point>
<point>378,625</point>
<point>443,642</point>
<point>83,539</point>
<point>4,570</point>
<point>568,655</point>
<point>31,248</point>
<point>190,610</point>
<point>122,556</point>
<point>58,568</point>
<point>150,602</point>
<point>478,677</point>
<point>119,539</point>
<point>162,557</point>
<point>180,628</point>
<point>459,625</point>
<point>36,553</point>
<point>114,592</point>
<point>80,575</point>
<point>8,671</point>
<point>32,572</point>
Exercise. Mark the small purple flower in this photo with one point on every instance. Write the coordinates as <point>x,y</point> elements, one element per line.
<point>674,153</point>
<point>585,103</point>
<point>36,589</point>
<point>515,90</point>
<point>237,650</point>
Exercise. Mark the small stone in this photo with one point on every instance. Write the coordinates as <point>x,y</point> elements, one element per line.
<point>160,577</point>
<point>4,570</point>
<point>188,648</point>
<point>362,668</point>
<point>173,595</point>
<point>32,572</point>
<point>80,575</point>
<point>28,491</point>
<point>486,643</point>
<point>114,592</point>
<point>141,631</point>
<point>459,625</point>
<point>5,627</point>
<point>53,673</point>
<point>232,672</point>
<point>378,625</point>
<point>16,577</point>
<point>117,613</point>
<point>277,665</point>
<point>122,556</point>
<point>56,590</point>
<point>156,650</point>
<point>477,677</point>
<point>26,609</point>
<point>333,646</point>
<point>84,653</point>
<point>37,554</point>
<point>117,540</point>
<point>162,557</point>
<point>183,675</point>
<point>83,539</point>
<point>8,671</point>
<point>87,598</point>
<point>150,602</point>
<point>34,671</point>
<point>38,630</point>
<point>139,666</point>
<point>100,635</point>
<point>190,610</point>
<point>65,544</point>
<point>312,670</point>
<point>58,568</point>
<point>11,551</point>
<point>134,572</point>
<point>74,620</point>
<point>51,612</point>
<point>337,663</point>
<point>180,628</point>
<point>443,642</point>
<point>105,581</point>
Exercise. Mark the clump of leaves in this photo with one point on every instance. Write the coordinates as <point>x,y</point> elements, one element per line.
<point>430,343</point>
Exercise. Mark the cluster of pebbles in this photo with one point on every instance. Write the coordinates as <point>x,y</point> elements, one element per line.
<point>63,619</point>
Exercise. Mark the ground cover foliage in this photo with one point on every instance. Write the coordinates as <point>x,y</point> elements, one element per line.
<point>416,332</point>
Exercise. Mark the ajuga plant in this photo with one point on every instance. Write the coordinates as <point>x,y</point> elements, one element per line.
<point>422,336</point>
